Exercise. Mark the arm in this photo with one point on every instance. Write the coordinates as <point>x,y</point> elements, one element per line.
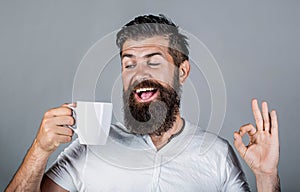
<point>51,134</point>
<point>49,185</point>
<point>262,153</point>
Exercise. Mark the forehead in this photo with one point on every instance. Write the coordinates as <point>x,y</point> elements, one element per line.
<point>145,45</point>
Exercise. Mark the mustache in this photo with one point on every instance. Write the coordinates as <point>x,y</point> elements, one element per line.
<point>145,83</point>
<point>155,116</point>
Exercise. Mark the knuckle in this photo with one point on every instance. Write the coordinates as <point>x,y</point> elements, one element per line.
<point>66,139</point>
<point>70,131</point>
<point>49,131</point>
<point>71,120</point>
<point>70,111</point>
<point>48,113</point>
<point>56,144</point>
<point>67,120</point>
<point>246,126</point>
<point>67,110</point>
<point>45,121</point>
<point>48,142</point>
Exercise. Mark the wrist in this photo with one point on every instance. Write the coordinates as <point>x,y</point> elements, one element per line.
<point>266,175</point>
<point>39,152</point>
<point>268,181</point>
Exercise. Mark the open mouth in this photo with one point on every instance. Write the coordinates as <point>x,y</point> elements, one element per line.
<point>145,94</point>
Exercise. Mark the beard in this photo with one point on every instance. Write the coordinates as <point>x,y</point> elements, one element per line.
<point>156,116</point>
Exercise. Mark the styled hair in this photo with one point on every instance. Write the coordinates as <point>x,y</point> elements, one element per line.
<point>148,26</point>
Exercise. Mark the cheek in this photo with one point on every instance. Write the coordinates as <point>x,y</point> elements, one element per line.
<point>165,76</point>
<point>125,81</point>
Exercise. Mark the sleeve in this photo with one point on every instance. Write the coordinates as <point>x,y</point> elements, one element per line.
<point>66,170</point>
<point>235,179</point>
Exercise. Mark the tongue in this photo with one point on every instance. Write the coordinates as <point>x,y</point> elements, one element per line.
<point>146,95</point>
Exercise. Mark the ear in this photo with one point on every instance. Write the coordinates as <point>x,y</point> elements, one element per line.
<point>184,71</point>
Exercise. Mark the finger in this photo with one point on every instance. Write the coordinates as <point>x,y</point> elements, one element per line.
<point>64,131</point>
<point>62,120</point>
<point>248,128</point>
<point>274,123</point>
<point>51,128</point>
<point>60,111</point>
<point>239,145</point>
<point>69,104</point>
<point>257,115</point>
<point>266,117</point>
<point>63,139</point>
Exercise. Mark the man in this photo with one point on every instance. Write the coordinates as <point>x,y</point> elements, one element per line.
<point>156,149</point>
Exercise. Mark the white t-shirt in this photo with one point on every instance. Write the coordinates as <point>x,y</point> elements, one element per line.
<point>194,160</point>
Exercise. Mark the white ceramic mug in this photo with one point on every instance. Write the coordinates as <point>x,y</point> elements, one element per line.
<point>92,122</point>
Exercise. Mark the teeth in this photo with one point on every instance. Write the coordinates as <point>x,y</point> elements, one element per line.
<point>144,90</point>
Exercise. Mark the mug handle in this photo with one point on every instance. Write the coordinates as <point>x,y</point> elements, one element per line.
<point>73,127</point>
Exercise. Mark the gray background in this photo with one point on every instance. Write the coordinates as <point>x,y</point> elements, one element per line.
<point>256,44</point>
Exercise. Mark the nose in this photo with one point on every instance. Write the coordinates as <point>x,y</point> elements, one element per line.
<point>141,73</point>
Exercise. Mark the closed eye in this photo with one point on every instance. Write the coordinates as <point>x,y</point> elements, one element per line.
<point>129,66</point>
<point>153,64</point>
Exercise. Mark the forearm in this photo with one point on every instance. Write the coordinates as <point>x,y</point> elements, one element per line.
<point>266,183</point>
<point>30,173</point>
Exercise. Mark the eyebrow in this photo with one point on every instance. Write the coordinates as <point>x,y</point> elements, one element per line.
<point>146,56</point>
<point>153,54</point>
<point>127,55</point>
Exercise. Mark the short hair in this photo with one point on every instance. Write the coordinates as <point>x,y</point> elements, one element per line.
<point>148,26</point>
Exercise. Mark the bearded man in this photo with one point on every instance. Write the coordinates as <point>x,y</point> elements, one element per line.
<point>155,149</point>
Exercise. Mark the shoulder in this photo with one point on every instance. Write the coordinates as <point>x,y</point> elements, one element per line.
<point>207,143</point>
<point>73,153</point>
<point>64,171</point>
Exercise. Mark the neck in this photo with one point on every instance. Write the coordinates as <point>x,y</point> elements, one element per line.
<point>161,140</point>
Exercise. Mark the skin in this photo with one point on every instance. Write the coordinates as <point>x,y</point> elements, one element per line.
<point>262,153</point>
<point>51,134</point>
<point>149,59</point>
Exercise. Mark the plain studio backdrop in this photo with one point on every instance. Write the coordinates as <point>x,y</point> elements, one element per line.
<point>255,43</point>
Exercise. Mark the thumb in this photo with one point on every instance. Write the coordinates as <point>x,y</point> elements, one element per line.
<point>69,104</point>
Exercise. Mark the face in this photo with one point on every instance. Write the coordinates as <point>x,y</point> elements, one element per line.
<point>146,59</point>
<point>151,86</point>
